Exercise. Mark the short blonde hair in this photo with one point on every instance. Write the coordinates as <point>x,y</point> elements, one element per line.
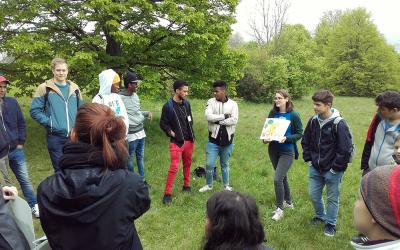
<point>57,61</point>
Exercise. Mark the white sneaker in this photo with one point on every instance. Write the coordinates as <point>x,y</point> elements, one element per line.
<point>278,214</point>
<point>287,205</point>
<point>228,188</point>
<point>35,211</point>
<point>205,189</point>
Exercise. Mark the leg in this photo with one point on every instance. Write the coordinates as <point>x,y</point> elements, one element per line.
<point>55,145</point>
<point>187,162</point>
<point>332,192</point>
<point>5,179</point>
<point>131,150</point>
<point>18,166</point>
<point>211,157</point>
<point>225,155</point>
<point>315,187</point>
<point>140,156</point>
<point>280,181</point>
<point>175,153</point>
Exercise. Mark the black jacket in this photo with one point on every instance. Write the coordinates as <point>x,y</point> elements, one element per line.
<point>85,206</point>
<point>170,121</point>
<point>325,149</point>
<point>369,141</point>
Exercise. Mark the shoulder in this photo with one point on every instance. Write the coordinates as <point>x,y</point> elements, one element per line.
<point>73,85</point>
<point>10,100</point>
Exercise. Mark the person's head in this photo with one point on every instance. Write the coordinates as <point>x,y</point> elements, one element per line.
<point>115,84</point>
<point>232,221</point>
<point>131,81</point>
<point>322,100</point>
<point>60,69</point>
<point>96,124</point>
<point>396,153</point>
<point>377,209</point>
<point>219,90</point>
<point>282,100</point>
<point>388,104</point>
<point>3,86</point>
<point>181,89</point>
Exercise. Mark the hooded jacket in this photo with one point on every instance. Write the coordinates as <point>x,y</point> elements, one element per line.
<point>86,206</point>
<point>4,137</point>
<point>324,148</point>
<point>111,100</point>
<point>14,122</point>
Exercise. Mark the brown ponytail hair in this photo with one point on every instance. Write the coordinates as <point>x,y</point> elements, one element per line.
<point>97,125</point>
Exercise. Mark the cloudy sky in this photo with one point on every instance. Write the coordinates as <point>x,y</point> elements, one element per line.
<point>385,14</point>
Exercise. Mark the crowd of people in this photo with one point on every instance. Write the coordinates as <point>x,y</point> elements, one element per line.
<point>95,193</point>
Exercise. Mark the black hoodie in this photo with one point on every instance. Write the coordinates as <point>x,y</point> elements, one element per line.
<point>85,206</point>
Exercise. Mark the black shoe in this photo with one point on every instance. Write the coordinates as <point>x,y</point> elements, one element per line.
<point>330,230</point>
<point>167,199</point>
<point>316,221</point>
<point>359,239</point>
<point>186,189</point>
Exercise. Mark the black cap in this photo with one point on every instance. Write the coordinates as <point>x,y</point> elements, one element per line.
<point>131,77</point>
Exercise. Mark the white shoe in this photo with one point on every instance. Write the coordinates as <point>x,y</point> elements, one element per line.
<point>278,214</point>
<point>228,188</point>
<point>35,211</point>
<point>205,189</point>
<point>287,205</point>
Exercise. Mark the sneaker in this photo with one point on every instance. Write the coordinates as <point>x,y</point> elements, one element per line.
<point>35,211</point>
<point>278,214</point>
<point>186,189</point>
<point>167,199</point>
<point>228,188</point>
<point>316,221</point>
<point>330,230</point>
<point>287,205</point>
<point>359,239</point>
<point>205,189</point>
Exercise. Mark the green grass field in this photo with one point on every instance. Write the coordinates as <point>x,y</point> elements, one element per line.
<point>181,225</point>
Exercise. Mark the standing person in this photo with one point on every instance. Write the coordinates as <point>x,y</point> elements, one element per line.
<point>136,135</point>
<point>15,125</point>
<point>282,153</point>
<point>177,123</point>
<point>327,147</point>
<point>54,106</point>
<point>222,114</point>
<point>4,140</point>
<point>108,94</point>
<point>377,209</point>
<point>93,201</point>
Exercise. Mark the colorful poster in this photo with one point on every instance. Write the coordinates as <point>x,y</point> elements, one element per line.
<point>274,129</point>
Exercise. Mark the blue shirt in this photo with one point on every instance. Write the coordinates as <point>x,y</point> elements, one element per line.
<point>64,90</point>
<point>285,147</point>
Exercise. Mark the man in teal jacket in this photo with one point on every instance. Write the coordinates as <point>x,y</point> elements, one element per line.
<point>54,106</point>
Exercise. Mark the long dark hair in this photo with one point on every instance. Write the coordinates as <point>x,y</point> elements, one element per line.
<point>235,222</point>
<point>289,104</point>
<point>96,124</point>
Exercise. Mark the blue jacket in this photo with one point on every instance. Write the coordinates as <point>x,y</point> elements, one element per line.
<point>58,117</point>
<point>14,122</point>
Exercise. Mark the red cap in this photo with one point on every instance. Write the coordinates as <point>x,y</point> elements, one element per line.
<point>3,79</point>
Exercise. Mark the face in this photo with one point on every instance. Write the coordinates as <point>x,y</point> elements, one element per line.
<point>386,113</point>
<point>182,92</point>
<point>280,101</point>
<point>3,89</point>
<point>397,149</point>
<point>133,86</point>
<point>115,88</point>
<point>219,93</point>
<point>362,218</point>
<point>60,72</point>
<point>321,108</point>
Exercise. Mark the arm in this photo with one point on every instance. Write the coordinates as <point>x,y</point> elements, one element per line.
<point>37,107</point>
<point>164,121</point>
<point>305,142</point>
<point>21,125</point>
<point>139,197</point>
<point>210,116</point>
<point>298,129</point>
<point>233,119</point>
<point>343,147</point>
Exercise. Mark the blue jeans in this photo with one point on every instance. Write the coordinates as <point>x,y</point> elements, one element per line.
<point>18,166</point>
<point>136,148</point>
<point>317,181</point>
<point>55,144</point>
<point>224,153</point>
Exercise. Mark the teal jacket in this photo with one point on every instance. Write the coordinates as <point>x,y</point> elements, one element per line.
<point>297,129</point>
<point>58,117</point>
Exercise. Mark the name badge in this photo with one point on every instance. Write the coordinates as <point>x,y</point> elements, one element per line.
<point>189,118</point>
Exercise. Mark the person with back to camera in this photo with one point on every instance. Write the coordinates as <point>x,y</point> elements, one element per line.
<point>93,201</point>
<point>233,223</point>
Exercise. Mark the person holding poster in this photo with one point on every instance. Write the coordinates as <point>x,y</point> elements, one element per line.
<point>282,149</point>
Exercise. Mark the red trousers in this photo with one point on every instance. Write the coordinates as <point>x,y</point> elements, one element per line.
<point>176,153</point>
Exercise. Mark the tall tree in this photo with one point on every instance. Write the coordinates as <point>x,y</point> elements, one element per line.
<point>160,39</point>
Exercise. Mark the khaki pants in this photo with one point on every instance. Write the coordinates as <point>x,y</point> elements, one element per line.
<point>4,177</point>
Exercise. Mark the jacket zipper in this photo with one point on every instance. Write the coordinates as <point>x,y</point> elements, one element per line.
<point>319,147</point>
<point>179,124</point>
<point>4,126</point>
<point>380,148</point>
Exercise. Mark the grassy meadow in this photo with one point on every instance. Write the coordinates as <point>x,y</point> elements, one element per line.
<point>181,225</point>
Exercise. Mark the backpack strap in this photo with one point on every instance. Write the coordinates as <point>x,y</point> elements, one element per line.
<point>46,97</point>
<point>336,122</point>
<point>77,98</point>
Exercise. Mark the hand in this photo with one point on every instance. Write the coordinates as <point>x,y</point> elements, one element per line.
<point>9,193</point>
<point>332,171</point>
<point>172,133</point>
<point>150,116</point>
<point>20,146</point>
<point>227,116</point>
<point>282,140</point>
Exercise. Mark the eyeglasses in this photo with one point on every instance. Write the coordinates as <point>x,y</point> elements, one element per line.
<point>278,98</point>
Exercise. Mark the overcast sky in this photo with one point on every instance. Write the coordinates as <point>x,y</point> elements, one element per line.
<point>385,14</point>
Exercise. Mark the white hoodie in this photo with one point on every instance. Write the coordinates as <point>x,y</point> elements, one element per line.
<point>112,100</point>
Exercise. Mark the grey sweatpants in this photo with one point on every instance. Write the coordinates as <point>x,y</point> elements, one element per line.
<point>281,161</point>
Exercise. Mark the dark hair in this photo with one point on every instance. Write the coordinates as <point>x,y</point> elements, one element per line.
<point>219,83</point>
<point>96,124</point>
<point>235,222</point>
<point>179,84</point>
<point>324,96</point>
<point>388,99</point>
<point>289,104</point>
